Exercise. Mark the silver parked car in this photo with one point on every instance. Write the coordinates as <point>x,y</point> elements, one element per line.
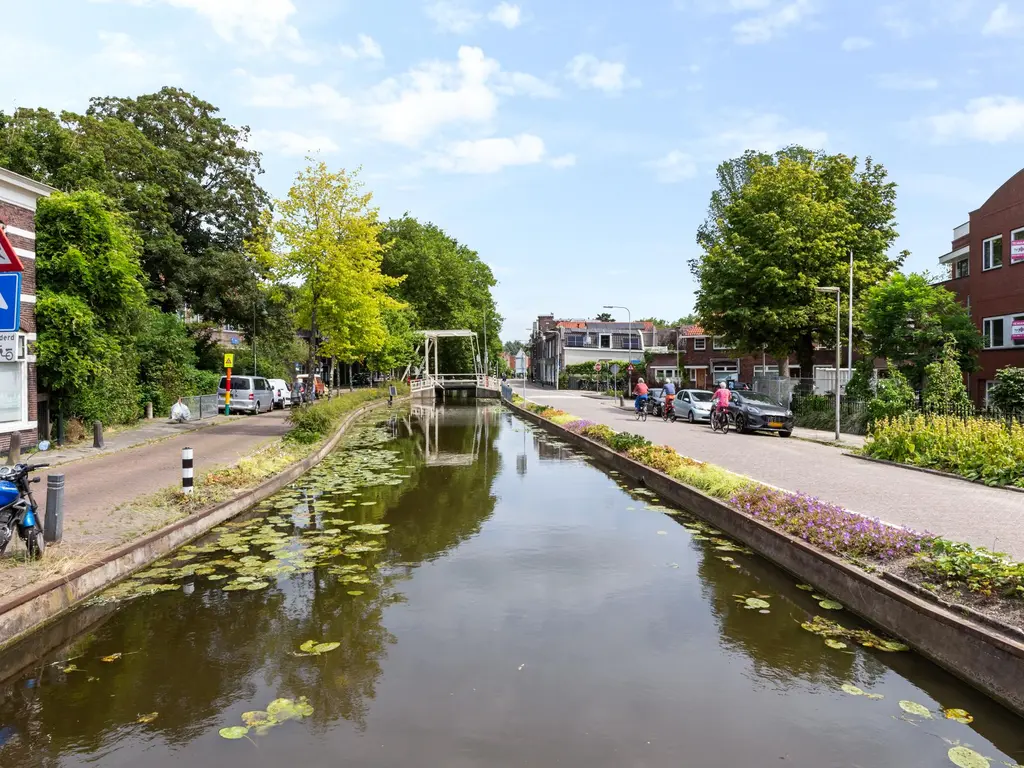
<point>249,394</point>
<point>693,405</point>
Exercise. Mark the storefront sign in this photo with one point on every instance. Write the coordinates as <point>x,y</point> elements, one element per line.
<point>1017,330</point>
<point>1017,252</point>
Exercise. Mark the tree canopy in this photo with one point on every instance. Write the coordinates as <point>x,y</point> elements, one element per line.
<point>445,284</point>
<point>909,321</point>
<point>779,227</point>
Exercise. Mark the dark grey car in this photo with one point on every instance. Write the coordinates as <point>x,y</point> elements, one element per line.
<point>752,411</point>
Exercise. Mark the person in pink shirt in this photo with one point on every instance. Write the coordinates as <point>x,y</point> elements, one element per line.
<point>640,390</point>
<point>721,397</point>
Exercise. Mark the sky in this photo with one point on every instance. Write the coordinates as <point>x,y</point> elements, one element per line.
<point>572,143</point>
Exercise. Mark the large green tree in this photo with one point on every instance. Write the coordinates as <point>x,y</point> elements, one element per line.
<point>446,285</point>
<point>909,320</point>
<point>779,227</point>
<point>185,177</point>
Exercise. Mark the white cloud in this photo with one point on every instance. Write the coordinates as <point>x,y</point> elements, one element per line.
<point>587,71</point>
<point>856,44</point>
<point>143,66</point>
<point>367,49</point>
<point>508,15</point>
<point>990,119</point>
<point>413,107</point>
<point>762,28</point>
<point>265,22</point>
<point>674,167</point>
<point>762,132</point>
<point>523,84</point>
<point>451,16</point>
<point>291,144</point>
<point>489,155</point>
<point>903,82</point>
<point>563,161</point>
<point>1004,22</point>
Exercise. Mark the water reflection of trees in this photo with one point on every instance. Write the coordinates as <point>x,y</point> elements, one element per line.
<point>191,658</point>
<point>779,650</point>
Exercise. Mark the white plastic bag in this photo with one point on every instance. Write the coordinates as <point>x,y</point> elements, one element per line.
<point>180,412</point>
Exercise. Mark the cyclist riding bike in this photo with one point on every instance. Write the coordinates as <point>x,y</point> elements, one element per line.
<point>641,392</point>
<point>721,399</point>
<point>669,392</point>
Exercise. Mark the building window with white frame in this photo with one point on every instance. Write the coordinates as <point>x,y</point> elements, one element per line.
<point>721,343</point>
<point>992,253</point>
<point>766,370</point>
<point>700,344</point>
<point>12,393</point>
<point>963,268</point>
<point>1006,332</point>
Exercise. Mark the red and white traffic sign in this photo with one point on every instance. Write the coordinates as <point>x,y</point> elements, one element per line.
<point>9,261</point>
<point>597,367</point>
<point>630,368</point>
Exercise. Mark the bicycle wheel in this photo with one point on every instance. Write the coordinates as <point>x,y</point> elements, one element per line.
<point>643,414</point>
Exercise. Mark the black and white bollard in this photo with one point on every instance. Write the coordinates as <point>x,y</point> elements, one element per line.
<point>53,523</point>
<point>186,470</point>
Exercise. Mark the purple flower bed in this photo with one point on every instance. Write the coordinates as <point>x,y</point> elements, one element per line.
<point>578,426</point>
<point>830,527</point>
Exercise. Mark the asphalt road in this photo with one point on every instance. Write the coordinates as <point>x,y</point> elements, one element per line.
<point>957,510</point>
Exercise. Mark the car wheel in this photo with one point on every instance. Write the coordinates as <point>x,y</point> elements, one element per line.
<point>741,424</point>
<point>785,434</point>
<point>691,418</point>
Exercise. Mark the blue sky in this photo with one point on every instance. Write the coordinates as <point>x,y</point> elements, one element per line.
<point>572,143</point>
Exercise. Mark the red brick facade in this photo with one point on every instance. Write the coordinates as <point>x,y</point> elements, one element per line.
<point>18,197</point>
<point>989,291</point>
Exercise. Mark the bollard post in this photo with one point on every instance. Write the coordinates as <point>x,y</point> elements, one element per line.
<point>186,470</point>
<point>149,410</point>
<point>97,434</point>
<point>53,523</point>
<point>14,452</point>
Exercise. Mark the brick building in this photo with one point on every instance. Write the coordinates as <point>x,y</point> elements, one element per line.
<point>985,269</point>
<point>19,406</point>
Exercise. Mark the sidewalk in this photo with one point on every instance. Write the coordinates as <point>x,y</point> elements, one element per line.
<point>957,510</point>
<point>95,489</point>
<point>144,432</point>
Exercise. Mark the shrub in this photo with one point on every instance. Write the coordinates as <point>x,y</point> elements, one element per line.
<point>660,457</point>
<point>893,398</point>
<point>859,387</point>
<point>315,421</point>
<point>828,526</point>
<point>944,390</point>
<point>578,425</point>
<point>1008,393</point>
<point>714,481</point>
<point>621,442</point>
<point>981,571</point>
<point>599,432</point>
<point>976,448</point>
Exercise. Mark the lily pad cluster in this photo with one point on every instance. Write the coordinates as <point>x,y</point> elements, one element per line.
<point>832,630</point>
<point>754,602</point>
<point>261,721</point>
<point>295,531</point>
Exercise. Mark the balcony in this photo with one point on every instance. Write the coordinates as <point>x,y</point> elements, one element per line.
<point>962,231</point>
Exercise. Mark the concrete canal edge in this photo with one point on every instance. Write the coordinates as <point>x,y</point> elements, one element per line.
<point>983,656</point>
<point>27,612</point>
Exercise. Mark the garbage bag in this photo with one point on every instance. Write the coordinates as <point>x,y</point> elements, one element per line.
<point>180,412</point>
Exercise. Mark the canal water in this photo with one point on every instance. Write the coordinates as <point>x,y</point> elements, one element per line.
<point>456,588</point>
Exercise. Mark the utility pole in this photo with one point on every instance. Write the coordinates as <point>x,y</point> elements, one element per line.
<point>849,337</point>
<point>839,350</point>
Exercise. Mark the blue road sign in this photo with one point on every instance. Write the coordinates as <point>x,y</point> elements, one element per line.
<point>10,301</point>
<point>234,340</point>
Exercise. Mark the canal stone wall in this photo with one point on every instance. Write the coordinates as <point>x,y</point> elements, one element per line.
<point>27,612</point>
<point>990,659</point>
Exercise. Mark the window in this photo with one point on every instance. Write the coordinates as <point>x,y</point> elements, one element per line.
<point>963,268</point>
<point>721,343</point>
<point>770,370</point>
<point>700,344</point>
<point>1004,332</point>
<point>11,391</point>
<point>664,374</point>
<point>606,341</point>
<point>576,340</point>
<point>1017,246</point>
<point>725,372</point>
<point>992,253</point>
<point>794,371</point>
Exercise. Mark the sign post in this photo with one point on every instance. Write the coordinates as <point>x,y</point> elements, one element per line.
<point>615,373</point>
<point>229,363</point>
<point>597,370</point>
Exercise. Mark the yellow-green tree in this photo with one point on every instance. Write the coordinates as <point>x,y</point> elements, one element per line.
<point>327,239</point>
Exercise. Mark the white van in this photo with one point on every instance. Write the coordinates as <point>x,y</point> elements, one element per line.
<point>249,394</point>
<point>282,393</point>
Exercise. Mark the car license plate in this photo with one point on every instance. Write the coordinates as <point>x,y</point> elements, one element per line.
<point>775,424</point>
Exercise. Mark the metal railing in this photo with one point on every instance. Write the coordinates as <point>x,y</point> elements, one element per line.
<point>201,406</point>
<point>439,380</point>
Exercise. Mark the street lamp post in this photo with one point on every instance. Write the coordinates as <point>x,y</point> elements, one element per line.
<point>839,347</point>
<point>629,315</point>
